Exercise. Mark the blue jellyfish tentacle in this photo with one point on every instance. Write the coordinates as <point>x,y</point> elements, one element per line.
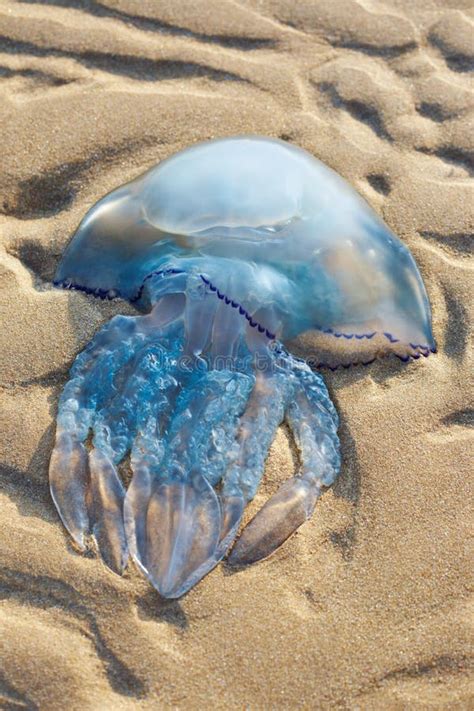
<point>215,399</point>
<point>92,375</point>
<point>91,383</point>
<point>314,427</point>
<point>116,423</point>
<point>84,489</point>
<point>258,425</point>
<point>313,421</point>
<point>179,542</point>
<point>115,428</point>
<point>147,454</point>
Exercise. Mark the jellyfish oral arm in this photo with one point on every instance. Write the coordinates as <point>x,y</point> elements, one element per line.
<point>196,408</point>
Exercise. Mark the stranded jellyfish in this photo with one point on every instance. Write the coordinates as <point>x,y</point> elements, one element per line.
<point>232,249</point>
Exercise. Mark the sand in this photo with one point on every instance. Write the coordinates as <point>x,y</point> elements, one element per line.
<point>368,605</point>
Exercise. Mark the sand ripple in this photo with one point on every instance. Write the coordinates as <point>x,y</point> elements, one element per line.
<point>368,605</point>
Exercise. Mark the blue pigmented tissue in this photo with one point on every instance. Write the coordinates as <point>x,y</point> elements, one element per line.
<point>233,250</point>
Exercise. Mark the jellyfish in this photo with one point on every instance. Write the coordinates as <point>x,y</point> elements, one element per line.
<point>232,251</point>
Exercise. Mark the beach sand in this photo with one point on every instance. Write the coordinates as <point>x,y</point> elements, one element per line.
<point>368,606</point>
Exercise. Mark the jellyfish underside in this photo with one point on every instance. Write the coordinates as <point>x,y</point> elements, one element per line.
<point>197,426</point>
<point>193,391</point>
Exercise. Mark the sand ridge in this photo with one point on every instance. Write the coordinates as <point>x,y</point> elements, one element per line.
<point>369,605</point>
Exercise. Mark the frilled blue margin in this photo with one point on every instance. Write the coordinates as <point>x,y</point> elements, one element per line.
<point>110,295</point>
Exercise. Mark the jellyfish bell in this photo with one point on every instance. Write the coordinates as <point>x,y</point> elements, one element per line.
<point>366,298</point>
<point>291,231</point>
<point>237,248</point>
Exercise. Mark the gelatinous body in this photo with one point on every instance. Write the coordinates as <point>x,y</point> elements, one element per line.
<point>234,247</point>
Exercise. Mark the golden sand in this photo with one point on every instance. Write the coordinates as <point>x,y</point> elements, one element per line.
<point>368,605</point>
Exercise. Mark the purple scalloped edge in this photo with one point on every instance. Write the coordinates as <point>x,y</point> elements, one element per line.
<point>421,349</point>
<point>235,305</point>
